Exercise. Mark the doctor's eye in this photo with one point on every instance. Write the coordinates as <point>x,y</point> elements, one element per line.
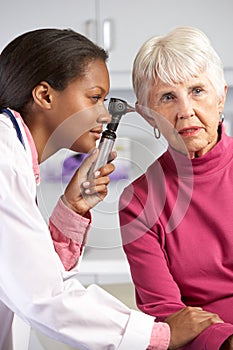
<point>96,98</point>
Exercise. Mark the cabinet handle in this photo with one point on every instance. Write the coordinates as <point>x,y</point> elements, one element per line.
<point>91,29</point>
<point>107,35</point>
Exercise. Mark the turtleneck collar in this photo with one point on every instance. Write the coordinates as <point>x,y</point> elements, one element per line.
<point>211,162</point>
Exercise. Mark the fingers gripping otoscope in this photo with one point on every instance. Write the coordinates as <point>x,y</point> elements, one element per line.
<point>117,108</point>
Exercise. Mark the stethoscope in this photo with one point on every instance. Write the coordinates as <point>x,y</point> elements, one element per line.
<point>16,125</point>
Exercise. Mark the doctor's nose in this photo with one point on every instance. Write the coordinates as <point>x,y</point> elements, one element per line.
<point>103,115</point>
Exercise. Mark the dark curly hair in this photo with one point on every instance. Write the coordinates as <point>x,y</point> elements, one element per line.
<point>56,56</point>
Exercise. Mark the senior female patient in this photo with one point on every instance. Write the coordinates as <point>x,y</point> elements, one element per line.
<point>53,85</point>
<point>176,219</point>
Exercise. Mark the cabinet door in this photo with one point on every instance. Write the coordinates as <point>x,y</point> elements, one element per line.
<point>135,21</point>
<point>127,24</point>
<point>20,16</point>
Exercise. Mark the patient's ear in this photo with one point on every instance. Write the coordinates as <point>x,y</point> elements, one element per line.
<point>146,113</point>
<point>43,95</point>
<point>222,100</point>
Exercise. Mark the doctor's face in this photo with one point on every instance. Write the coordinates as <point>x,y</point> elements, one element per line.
<point>80,111</point>
<point>190,114</point>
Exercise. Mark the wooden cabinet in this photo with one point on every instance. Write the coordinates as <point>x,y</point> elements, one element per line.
<point>23,15</point>
<point>121,26</point>
<point>135,21</point>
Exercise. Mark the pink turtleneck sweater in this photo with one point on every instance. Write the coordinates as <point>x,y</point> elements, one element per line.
<point>177,230</point>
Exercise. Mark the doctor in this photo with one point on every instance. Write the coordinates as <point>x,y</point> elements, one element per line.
<point>53,85</point>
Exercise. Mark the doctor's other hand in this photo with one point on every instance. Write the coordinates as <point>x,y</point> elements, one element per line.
<point>83,193</point>
<point>188,323</point>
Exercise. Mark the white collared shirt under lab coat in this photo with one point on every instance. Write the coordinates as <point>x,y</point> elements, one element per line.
<point>33,282</point>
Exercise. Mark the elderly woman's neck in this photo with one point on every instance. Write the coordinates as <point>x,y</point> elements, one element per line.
<point>201,152</point>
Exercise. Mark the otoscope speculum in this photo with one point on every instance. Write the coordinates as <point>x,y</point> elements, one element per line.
<point>117,108</point>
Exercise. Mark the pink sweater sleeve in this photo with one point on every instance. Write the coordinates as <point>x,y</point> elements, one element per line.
<point>69,233</point>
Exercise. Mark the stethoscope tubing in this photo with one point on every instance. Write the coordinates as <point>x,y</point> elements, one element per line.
<point>16,125</point>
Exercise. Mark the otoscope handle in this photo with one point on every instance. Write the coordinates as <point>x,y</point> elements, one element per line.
<point>105,148</point>
<point>116,108</point>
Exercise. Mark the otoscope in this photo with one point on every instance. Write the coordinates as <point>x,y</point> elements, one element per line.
<point>117,108</point>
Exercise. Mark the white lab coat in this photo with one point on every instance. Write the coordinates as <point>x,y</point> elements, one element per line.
<point>33,282</point>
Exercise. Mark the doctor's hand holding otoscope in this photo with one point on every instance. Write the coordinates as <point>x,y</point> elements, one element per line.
<point>93,188</point>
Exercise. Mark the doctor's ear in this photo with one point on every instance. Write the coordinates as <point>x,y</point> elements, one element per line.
<point>146,113</point>
<point>42,95</point>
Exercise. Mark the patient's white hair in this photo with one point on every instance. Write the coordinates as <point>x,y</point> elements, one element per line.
<point>183,53</point>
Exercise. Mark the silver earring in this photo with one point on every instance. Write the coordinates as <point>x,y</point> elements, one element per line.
<point>157,133</point>
<point>221,118</point>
